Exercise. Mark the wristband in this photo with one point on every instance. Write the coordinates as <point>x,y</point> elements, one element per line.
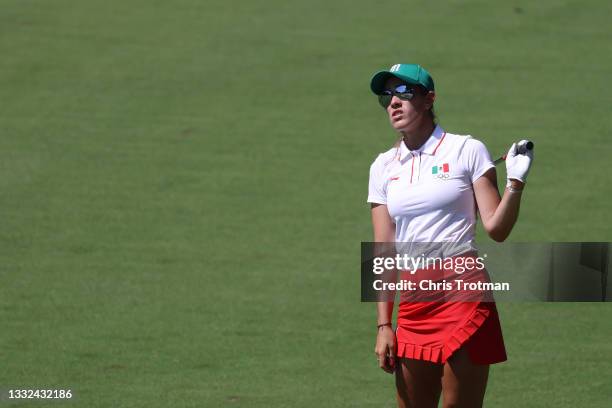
<point>383,325</point>
<point>512,189</point>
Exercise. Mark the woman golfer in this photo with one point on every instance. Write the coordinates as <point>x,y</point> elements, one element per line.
<point>428,189</point>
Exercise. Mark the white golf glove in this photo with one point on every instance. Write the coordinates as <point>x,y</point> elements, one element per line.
<point>517,165</point>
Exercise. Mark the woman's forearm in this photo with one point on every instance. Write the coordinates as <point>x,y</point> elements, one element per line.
<point>384,306</point>
<point>385,312</point>
<point>384,237</point>
<point>501,223</point>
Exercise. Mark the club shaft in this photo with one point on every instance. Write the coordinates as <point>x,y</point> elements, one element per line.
<point>501,159</point>
<point>521,149</point>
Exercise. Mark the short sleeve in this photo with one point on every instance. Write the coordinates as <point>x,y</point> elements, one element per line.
<point>478,158</point>
<point>376,189</point>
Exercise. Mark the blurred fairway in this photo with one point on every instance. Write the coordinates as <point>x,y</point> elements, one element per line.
<point>183,191</point>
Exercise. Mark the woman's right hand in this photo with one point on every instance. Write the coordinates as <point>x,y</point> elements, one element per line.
<point>385,349</point>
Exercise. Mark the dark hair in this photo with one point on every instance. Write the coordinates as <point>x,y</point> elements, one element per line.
<point>434,118</point>
<point>432,114</point>
<point>424,91</point>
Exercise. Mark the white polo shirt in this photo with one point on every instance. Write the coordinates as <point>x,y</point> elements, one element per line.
<point>428,191</point>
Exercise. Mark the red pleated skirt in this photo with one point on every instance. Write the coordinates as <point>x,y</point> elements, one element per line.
<point>434,330</point>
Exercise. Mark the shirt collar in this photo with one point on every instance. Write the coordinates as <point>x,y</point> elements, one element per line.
<point>429,147</point>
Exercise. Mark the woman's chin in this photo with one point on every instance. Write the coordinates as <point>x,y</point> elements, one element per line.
<point>402,125</point>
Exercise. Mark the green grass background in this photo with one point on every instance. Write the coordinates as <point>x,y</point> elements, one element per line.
<point>183,191</point>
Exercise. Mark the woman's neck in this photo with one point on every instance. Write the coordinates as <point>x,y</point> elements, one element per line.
<point>415,139</point>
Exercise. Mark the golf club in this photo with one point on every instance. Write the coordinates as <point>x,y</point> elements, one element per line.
<point>521,148</point>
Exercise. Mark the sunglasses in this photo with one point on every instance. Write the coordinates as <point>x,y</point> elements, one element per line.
<point>403,91</point>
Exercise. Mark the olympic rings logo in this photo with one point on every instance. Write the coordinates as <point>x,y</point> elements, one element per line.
<point>443,176</point>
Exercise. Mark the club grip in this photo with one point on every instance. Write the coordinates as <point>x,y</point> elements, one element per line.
<point>524,146</point>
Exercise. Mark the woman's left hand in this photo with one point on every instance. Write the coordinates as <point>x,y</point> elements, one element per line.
<point>518,165</point>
